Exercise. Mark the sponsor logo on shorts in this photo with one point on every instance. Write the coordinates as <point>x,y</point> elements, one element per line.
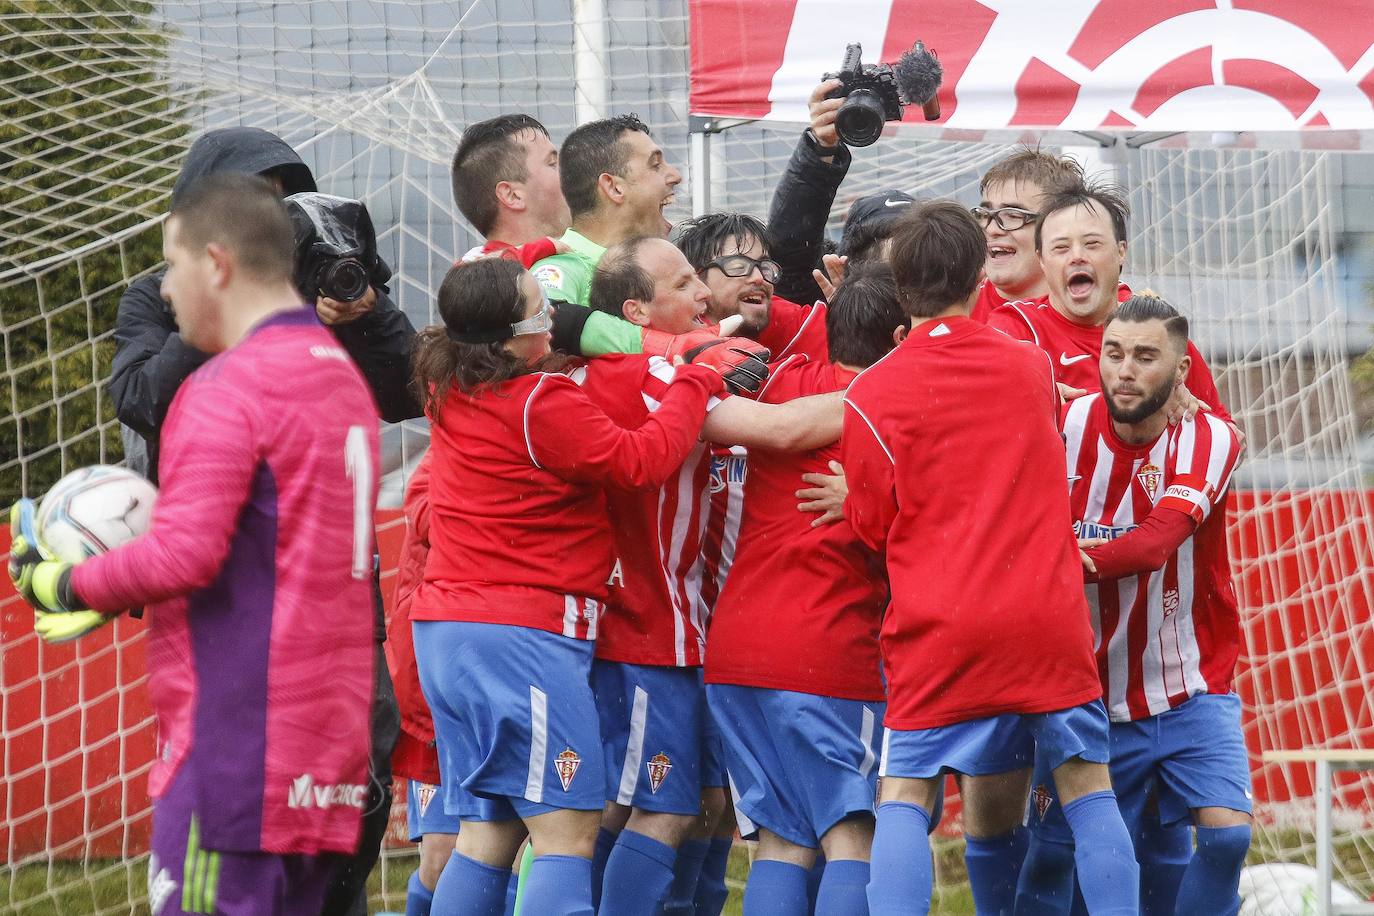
<point>567,763</point>
<point>658,767</point>
<point>1150,477</point>
<point>424,794</point>
<point>305,794</point>
<point>1043,799</point>
<point>161,885</point>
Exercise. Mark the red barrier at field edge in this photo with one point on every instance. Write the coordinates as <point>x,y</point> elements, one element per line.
<point>78,735</point>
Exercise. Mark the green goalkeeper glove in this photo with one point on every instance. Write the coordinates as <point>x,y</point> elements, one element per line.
<point>46,584</point>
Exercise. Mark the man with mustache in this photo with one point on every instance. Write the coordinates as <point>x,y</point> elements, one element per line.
<point>1151,496</point>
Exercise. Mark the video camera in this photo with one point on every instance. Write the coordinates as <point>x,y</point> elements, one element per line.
<point>874,93</point>
<point>336,247</point>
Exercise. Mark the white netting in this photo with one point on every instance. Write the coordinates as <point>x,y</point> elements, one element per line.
<point>100,98</point>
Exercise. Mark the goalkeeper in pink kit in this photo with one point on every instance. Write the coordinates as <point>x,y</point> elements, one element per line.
<point>255,572</point>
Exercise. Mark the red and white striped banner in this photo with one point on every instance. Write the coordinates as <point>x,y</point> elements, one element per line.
<point>1083,65</point>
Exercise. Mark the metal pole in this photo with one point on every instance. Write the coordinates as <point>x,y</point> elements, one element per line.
<point>701,172</point>
<point>1323,838</point>
<point>589,59</point>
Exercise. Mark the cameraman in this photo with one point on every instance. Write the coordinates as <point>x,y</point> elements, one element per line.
<point>805,193</point>
<point>151,361</point>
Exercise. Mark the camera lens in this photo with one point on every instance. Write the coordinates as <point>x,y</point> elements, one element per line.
<point>345,280</point>
<point>859,122</point>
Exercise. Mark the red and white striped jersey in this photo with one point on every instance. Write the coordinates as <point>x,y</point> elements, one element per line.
<point>724,510</point>
<point>1167,635</point>
<point>654,614</point>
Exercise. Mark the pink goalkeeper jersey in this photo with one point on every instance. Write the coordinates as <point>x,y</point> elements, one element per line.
<point>256,572</point>
<point>1167,635</point>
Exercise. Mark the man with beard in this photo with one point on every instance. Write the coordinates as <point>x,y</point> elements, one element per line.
<point>617,183</point>
<point>1080,237</point>
<point>1152,498</point>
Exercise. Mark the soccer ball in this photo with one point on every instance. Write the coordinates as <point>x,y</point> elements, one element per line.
<point>93,510</point>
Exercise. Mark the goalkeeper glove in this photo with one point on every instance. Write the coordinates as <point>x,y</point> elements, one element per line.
<point>46,584</point>
<point>742,362</point>
<point>669,346</point>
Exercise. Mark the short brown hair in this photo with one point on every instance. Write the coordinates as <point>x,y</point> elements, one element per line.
<point>1052,174</point>
<point>1099,195</point>
<point>490,152</point>
<point>619,277</point>
<point>244,214</point>
<point>937,256</point>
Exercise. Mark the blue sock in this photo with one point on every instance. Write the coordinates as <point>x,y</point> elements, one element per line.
<point>1211,879</point>
<point>686,870</point>
<point>637,875</point>
<point>775,889</point>
<point>558,886</point>
<point>994,864</point>
<point>1163,854</point>
<point>512,891</point>
<point>605,842</point>
<point>814,878</point>
<point>711,890</point>
<point>1046,885</point>
<point>1103,855</point>
<point>469,888</point>
<point>418,897</point>
<point>843,890</point>
<point>902,874</point>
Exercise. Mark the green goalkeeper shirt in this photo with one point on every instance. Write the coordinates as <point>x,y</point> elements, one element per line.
<point>569,276</point>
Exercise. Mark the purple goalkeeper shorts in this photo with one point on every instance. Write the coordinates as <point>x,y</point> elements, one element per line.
<point>185,877</point>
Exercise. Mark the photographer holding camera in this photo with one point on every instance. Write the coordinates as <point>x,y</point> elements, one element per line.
<point>151,362</point>
<point>848,108</point>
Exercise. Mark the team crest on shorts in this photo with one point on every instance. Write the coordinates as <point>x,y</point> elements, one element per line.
<point>658,767</point>
<point>1150,476</point>
<point>1043,799</point>
<point>424,793</point>
<point>566,763</point>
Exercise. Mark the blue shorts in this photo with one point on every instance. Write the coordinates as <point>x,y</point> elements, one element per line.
<point>1192,756</point>
<point>998,744</point>
<point>514,717</point>
<point>652,734</point>
<point>713,774</point>
<point>423,815</point>
<point>799,763</point>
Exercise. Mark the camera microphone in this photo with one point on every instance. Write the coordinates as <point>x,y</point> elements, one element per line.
<point>918,74</point>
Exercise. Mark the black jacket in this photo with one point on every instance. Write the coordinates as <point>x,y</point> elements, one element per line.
<point>151,360</point>
<point>797,217</point>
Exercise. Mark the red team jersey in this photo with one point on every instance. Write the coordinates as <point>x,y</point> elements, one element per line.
<point>1075,349</point>
<point>794,328</point>
<point>518,526</point>
<point>1171,634</point>
<point>724,511</point>
<point>655,615</point>
<point>257,573</point>
<point>802,613</point>
<point>952,450</point>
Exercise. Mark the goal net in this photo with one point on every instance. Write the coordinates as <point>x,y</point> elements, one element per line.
<point>101,98</point>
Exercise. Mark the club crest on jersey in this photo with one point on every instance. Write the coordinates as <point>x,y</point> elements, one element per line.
<point>1043,799</point>
<point>424,793</point>
<point>1170,602</point>
<point>566,763</point>
<point>1150,477</point>
<point>658,767</point>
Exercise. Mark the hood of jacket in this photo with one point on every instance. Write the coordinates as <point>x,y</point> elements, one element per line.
<point>244,150</point>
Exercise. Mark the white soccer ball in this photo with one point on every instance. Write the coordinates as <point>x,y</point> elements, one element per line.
<point>94,510</point>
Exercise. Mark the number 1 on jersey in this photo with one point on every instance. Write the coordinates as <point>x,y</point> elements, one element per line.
<point>358,462</point>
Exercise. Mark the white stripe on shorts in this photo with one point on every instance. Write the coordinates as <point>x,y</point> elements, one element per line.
<point>745,825</point>
<point>882,766</point>
<point>634,750</point>
<point>539,745</point>
<point>866,739</point>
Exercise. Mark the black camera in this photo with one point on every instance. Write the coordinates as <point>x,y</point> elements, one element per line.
<point>336,247</point>
<point>870,98</point>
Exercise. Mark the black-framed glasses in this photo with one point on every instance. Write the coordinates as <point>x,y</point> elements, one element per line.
<point>1007,218</point>
<point>741,265</point>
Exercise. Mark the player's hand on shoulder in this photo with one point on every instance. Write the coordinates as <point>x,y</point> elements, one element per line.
<point>45,583</point>
<point>743,363</point>
<point>825,495</point>
<point>1184,405</point>
<point>332,311</point>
